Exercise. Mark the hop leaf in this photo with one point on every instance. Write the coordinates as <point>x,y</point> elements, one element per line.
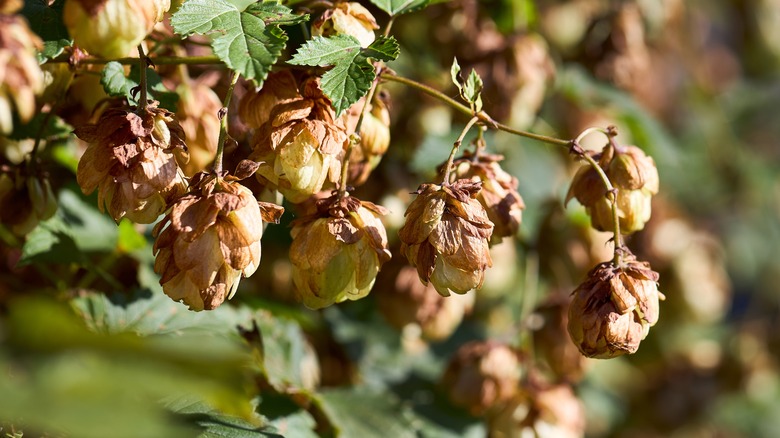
<point>352,72</point>
<point>470,89</point>
<point>248,41</point>
<point>398,7</point>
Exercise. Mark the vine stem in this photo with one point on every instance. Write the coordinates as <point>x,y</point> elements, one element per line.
<point>481,116</point>
<point>448,167</point>
<point>617,258</point>
<point>223,124</point>
<point>142,83</point>
<point>157,60</point>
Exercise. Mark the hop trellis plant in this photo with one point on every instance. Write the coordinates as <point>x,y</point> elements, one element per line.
<point>309,128</point>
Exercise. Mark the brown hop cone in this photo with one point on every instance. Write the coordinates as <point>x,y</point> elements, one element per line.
<point>256,105</point>
<point>347,18</point>
<point>210,238</point>
<point>130,160</point>
<point>634,176</point>
<point>408,302</point>
<point>374,138</point>
<point>25,199</point>
<point>482,376</point>
<point>446,236</point>
<point>198,109</point>
<point>613,310</point>
<point>20,75</point>
<point>301,145</point>
<point>112,28</point>
<point>337,251</point>
<point>504,206</point>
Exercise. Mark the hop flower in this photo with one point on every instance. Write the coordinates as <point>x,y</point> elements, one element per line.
<point>25,199</point>
<point>198,109</point>
<point>374,139</point>
<point>482,376</point>
<point>446,236</point>
<point>130,160</point>
<point>407,301</point>
<point>256,105</point>
<point>613,310</point>
<point>504,206</point>
<point>347,18</point>
<point>112,28</point>
<point>634,176</point>
<point>209,239</point>
<point>337,251</point>
<point>301,144</point>
<point>20,76</point>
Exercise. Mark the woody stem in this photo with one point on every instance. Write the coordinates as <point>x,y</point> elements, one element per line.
<point>223,126</point>
<point>455,147</point>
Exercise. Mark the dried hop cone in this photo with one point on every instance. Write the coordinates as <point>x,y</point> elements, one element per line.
<point>635,177</point>
<point>25,199</point>
<point>499,195</point>
<point>301,143</point>
<point>131,161</point>
<point>347,18</point>
<point>20,75</point>
<point>446,236</point>
<point>482,376</point>
<point>210,238</point>
<point>613,310</point>
<point>112,28</point>
<point>337,251</point>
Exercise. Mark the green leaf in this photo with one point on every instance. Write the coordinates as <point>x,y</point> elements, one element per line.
<point>358,412</point>
<point>352,72</point>
<point>99,384</point>
<point>46,21</point>
<point>288,359</point>
<point>398,7</point>
<point>216,424</point>
<point>153,313</point>
<point>383,49</point>
<point>455,74</point>
<point>129,238</point>
<point>55,129</point>
<point>50,242</point>
<point>248,41</point>
<point>115,83</point>
<point>322,51</point>
<point>472,90</point>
